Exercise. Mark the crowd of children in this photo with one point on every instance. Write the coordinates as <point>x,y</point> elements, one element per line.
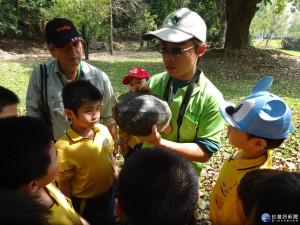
<point>74,179</point>
<point>165,188</point>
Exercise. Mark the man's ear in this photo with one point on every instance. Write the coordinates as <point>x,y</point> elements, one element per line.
<point>260,144</point>
<point>51,49</point>
<point>69,113</point>
<point>32,187</point>
<point>201,49</point>
<point>119,211</point>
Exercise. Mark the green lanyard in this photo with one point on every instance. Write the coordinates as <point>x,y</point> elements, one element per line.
<point>79,71</point>
<point>78,75</point>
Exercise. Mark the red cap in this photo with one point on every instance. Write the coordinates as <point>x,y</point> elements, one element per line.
<point>135,72</point>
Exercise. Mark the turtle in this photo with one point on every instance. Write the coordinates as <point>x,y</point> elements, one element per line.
<point>137,112</point>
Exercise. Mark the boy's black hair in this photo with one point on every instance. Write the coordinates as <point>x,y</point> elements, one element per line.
<point>17,207</point>
<point>248,182</point>
<point>271,143</point>
<point>7,97</point>
<point>158,186</point>
<point>25,150</point>
<point>277,194</point>
<point>79,92</point>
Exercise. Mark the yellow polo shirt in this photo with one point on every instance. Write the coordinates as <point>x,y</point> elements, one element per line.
<point>87,162</point>
<point>223,198</point>
<point>62,210</point>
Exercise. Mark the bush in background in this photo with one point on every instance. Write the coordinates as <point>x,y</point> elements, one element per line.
<point>291,43</point>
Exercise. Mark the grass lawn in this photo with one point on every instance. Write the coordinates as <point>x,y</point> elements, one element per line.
<point>274,44</point>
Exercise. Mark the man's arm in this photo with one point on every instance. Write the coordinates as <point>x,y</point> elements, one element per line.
<point>113,131</point>
<point>33,95</point>
<point>115,167</point>
<point>190,151</point>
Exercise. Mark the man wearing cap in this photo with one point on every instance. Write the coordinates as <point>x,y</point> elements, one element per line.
<point>64,44</point>
<point>259,123</point>
<point>193,99</point>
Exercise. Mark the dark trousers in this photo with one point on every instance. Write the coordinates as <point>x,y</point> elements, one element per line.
<point>98,210</point>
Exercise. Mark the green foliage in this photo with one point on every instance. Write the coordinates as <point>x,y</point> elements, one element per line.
<point>21,16</point>
<point>162,8</point>
<point>294,29</point>
<point>90,14</point>
<point>268,22</point>
<point>131,19</point>
<point>291,43</point>
<point>210,11</point>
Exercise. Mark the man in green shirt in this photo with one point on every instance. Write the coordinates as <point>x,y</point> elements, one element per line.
<point>193,99</point>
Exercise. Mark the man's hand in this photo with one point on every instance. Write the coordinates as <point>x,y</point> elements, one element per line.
<point>154,138</point>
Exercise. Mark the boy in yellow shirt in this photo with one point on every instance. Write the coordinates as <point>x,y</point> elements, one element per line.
<point>29,162</point>
<point>260,122</point>
<point>87,165</point>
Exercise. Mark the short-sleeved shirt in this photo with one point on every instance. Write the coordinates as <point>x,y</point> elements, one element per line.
<point>87,162</point>
<point>62,209</point>
<point>202,122</point>
<point>223,198</point>
<point>55,84</point>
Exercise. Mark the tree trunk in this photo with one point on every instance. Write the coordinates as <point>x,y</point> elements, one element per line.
<point>222,32</point>
<point>239,16</point>
<point>111,42</point>
<point>86,50</point>
<point>86,45</point>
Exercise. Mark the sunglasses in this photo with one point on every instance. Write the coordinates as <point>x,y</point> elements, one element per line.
<point>173,51</point>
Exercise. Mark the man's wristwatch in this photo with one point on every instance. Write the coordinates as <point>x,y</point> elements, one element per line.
<point>117,142</point>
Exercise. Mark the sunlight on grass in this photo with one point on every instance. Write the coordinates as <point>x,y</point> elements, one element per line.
<point>295,53</point>
<point>262,43</point>
<point>15,76</point>
<point>274,44</point>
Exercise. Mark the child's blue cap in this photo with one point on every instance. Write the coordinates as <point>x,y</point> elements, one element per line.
<point>261,113</point>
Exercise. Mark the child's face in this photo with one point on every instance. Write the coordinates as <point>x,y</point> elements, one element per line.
<point>52,168</point>
<point>238,138</point>
<point>87,116</point>
<point>9,110</point>
<point>136,83</point>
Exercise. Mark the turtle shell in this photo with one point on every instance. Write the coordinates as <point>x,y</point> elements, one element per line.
<point>137,112</point>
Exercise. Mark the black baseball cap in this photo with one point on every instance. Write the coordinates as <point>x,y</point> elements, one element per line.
<point>60,32</point>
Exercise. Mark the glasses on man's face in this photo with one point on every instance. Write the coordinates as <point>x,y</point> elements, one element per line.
<point>173,51</point>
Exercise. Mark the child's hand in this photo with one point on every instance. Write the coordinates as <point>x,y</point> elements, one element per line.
<point>116,149</point>
<point>168,129</point>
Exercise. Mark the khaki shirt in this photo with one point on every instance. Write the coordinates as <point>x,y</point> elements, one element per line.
<point>56,81</point>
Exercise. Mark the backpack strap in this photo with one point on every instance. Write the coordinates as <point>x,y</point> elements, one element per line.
<point>167,90</point>
<point>44,94</point>
<point>185,101</point>
<point>42,85</point>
